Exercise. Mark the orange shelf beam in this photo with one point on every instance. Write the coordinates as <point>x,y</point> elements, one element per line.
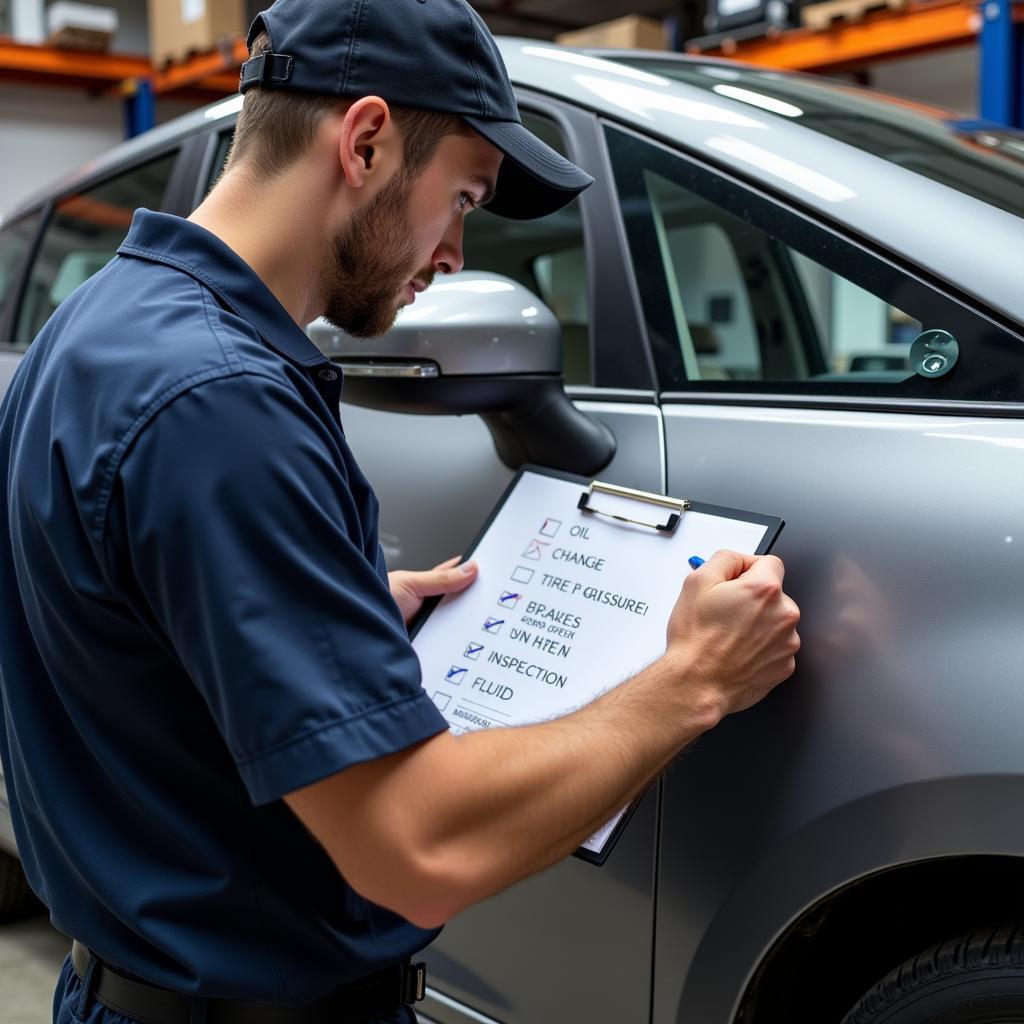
<point>71,67</point>
<point>882,35</point>
<point>215,73</point>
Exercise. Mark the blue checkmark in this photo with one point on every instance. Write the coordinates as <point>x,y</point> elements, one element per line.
<point>493,625</point>
<point>455,674</point>
<point>508,599</point>
<point>473,651</point>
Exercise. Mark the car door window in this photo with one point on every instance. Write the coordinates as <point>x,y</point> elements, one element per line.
<point>82,236</point>
<point>742,294</point>
<point>546,255</point>
<point>15,242</point>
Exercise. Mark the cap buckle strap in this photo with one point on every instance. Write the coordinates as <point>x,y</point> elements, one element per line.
<point>266,69</point>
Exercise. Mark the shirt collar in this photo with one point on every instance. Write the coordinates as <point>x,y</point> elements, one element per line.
<point>179,243</point>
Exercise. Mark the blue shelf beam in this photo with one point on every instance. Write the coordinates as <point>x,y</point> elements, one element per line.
<point>1002,64</point>
<point>139,106</point>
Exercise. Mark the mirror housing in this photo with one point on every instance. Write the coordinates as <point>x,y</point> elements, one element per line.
<point>476,342</point>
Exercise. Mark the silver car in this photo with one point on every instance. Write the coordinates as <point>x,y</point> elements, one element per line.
<point>783,294</point>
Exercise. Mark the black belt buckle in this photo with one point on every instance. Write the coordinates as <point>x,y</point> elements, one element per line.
<point>414,982</point>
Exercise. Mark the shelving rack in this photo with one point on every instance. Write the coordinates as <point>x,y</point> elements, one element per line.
<point>997,26</point>
<point>923,26</point>
<point>202,78</point>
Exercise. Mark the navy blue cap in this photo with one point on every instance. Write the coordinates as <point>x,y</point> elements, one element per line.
<point>426,54</point>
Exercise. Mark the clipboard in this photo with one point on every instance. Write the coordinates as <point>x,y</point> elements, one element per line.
<point>558,558</point>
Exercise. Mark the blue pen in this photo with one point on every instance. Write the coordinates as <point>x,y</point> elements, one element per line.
<point>696,562</point>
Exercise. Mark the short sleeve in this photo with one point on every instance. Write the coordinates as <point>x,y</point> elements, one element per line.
<point>247,549</point>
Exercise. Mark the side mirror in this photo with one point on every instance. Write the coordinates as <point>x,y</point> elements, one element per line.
<point>481,343</point>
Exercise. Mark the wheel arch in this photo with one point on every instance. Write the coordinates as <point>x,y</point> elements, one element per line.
<point>899,839</point>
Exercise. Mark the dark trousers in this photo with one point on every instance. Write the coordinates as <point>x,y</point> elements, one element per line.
<point>70,1006</point>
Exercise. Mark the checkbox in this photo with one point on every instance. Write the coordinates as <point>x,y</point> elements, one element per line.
<point>535,549</point>
<point>521,574</point>
<point>455,675</point>
<point>442,700</point>
<point>492,625</point>
<point>550,527</point>
<point>509,599</point>
<point>472,651</point>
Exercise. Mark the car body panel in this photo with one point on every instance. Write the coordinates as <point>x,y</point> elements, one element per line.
<point>903,575</point>
<point>905,825</point>
<point>431,507</point>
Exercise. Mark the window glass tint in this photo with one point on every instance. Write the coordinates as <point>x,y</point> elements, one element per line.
<point>82,237</point>
<point>741,294</point>
<point>984,162</point>
<point>15,242</point>
<point>220,157</point>
<point>546,255</point>
<point>747,307</point>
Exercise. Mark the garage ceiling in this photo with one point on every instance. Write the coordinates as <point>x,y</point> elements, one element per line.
<point>543,19</point>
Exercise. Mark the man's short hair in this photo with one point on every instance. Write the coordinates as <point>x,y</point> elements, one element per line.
<point>275,127</point>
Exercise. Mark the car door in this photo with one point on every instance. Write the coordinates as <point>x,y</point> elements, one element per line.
<point>790,385</point>
<point>575,942</point>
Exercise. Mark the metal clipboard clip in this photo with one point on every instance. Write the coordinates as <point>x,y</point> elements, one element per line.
<point>678,505</point>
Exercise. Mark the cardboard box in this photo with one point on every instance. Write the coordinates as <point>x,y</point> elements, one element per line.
<point>178,28</point>
<point>632,32</point>
<point>76,26</point>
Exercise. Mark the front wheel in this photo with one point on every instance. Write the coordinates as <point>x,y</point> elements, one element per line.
<point>977,978</point>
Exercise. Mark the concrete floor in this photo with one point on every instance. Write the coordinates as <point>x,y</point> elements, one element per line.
<point>31,954</point>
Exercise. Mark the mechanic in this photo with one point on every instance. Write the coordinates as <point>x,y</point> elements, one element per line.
<point>227,782</point>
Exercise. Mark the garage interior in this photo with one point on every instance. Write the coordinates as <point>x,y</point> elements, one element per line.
<point>63,103</point>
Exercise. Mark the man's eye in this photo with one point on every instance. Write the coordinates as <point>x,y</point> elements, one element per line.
<point>465,199</point>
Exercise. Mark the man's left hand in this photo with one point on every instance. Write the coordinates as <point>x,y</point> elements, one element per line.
<point>409,589</point>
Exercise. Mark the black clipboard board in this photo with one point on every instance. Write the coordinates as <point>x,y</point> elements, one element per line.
<point>673,512</point>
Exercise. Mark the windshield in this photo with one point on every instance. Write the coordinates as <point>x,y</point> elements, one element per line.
<point>983,161</point>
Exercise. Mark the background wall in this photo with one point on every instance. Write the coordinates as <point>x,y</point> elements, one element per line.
<point>948,78</point>
<point>47,132</point>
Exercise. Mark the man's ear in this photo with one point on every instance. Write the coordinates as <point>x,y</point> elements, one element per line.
<point>370,146</point>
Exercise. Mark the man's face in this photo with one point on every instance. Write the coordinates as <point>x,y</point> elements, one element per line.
<point>391,248</point>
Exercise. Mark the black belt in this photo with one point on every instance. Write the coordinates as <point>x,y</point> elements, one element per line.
<point>359,1002</point>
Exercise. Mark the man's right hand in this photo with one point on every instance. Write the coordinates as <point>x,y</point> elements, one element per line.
<point>450,821</point>
<point>733,630</point>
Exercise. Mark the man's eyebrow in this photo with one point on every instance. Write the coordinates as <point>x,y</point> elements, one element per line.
<point>486,184</point>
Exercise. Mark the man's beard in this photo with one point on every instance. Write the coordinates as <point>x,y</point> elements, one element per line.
<point>373,258</point>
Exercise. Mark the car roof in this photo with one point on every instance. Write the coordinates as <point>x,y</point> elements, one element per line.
<point>972,244</point>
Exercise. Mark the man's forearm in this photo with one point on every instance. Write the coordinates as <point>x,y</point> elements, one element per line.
<point>491,807</point>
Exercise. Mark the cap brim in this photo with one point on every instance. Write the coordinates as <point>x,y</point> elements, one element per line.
<point>534,180</point>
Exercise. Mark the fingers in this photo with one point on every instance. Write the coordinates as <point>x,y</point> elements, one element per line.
<point>725,565</point>
<point>767,567</point>
<point>449,564</point>
<point>447,578</point>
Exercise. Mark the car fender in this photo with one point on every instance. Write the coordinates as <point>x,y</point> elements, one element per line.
<point>879,831</point>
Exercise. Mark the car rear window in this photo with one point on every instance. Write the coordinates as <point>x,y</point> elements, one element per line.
<point>981,161</point>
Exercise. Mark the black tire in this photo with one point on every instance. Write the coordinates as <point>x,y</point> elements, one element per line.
<point>977,978</point>
<point>16,898</point>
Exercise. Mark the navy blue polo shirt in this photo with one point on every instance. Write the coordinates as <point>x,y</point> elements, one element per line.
<point>195,622</point>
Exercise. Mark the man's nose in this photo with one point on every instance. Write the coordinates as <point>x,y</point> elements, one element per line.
<point>448,257</point>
